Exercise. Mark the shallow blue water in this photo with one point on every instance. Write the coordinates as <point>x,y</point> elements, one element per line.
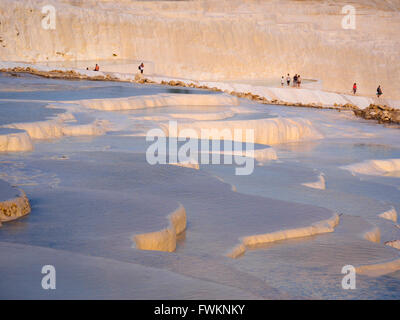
<point>25,112</point>
<point>88,194</point>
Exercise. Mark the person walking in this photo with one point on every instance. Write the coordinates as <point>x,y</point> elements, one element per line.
<point>354,88</point>
<point>282,81</point>
<point>141,68</point>
<point>295,80</point>
<point>379,91</point>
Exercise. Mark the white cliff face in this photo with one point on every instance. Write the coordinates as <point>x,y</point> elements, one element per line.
<point>316,228</point>
<point>165,239</point>
<point>159,100</point>
<point>42,130</point>
<point>15,142</point>
<point>214,40</point>
<point>266,131</point>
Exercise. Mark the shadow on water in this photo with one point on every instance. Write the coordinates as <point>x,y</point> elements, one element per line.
<point>188,91</point>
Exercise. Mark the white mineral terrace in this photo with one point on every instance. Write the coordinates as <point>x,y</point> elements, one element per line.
<point>209,40</point>
<point>87,157</point>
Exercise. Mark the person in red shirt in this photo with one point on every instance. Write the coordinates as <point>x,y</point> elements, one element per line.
<point>96,68</point>
<point>354,88</point>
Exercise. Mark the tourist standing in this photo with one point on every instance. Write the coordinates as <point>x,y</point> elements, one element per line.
<point>295,80</point>
<point>141,68</point>
<point>354,88</point>
<point>288,79</point>
<point>282,81</point>
<point>379,91</point>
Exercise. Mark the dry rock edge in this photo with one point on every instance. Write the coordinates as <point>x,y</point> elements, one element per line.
<point>14,208</point>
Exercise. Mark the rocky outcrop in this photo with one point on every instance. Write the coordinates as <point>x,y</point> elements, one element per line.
<point>14,208</point>
<point>59,74</point>
<point>383,114</point>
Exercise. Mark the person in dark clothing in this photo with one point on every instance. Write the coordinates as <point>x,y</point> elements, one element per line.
<point>141,68</point>
<point>354,88</point>
<point>379,91</point>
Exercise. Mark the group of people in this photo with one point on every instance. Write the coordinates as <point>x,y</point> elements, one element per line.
<point>379,91</point>
<point>141,68</point>
<point>296,80</point>
<point>96,68</point>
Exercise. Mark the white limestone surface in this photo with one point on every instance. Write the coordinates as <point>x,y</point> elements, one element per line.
<point>375,167</point>
<point>209,39</point>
